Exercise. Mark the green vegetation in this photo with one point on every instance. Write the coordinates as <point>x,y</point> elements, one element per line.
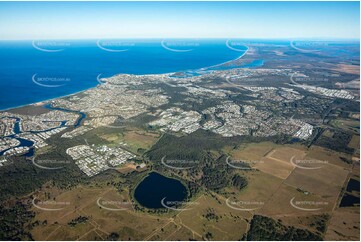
<point>336,142</point>
<point>264,228</point>
<point>78,220</point>
<point>320,222</point>
<point>195,145</point>
<point>210,171</point>
<point>239,181</point>
<point>13,219</point>
<point>22,177</point>
<point>215,177</point>
<point>113,236</point>
<point>211,215</point>
<point>208,235</point>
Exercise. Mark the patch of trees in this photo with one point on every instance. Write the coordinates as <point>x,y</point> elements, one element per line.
<point>320,222</point>
<point>348,105</point>
<point>13,220</point>
<point>195,145</point>
<point>193,188</point>
<point>338,142</point>
<point>239,182</point>
<point>21,177</point>
<point>211,215</point>
<point>208,235</point>
<point>218,175</point>
<point>215,176</point>
<point>266,229</point>
<point>113,236</point>
<point>78,220</point>
<point>211,170</point>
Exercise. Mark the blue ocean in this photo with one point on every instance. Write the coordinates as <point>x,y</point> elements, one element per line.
<point>33,71</point>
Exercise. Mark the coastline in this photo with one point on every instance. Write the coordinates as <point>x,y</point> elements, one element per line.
<point>223,63</point>
<point>47,100</point>
<point>170,73</point>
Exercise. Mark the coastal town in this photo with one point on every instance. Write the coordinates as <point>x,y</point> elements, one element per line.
<point>180,120</point>
<point>175,105</point>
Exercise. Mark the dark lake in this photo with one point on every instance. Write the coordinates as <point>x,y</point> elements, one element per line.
<point>349,200</point>
<point>353,185</point>
<point>150,192</point>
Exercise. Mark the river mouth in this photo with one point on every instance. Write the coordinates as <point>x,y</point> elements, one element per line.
<point>156,190</point>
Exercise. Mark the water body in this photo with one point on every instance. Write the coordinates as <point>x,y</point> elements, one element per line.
<point>78,122</point>
<point>155,187</point>
<point>353,185</point>
<point>202,71</point>
<point>36,71</point>
<point>30,144</point>
<point>349,200</point>
<point>23,142</point>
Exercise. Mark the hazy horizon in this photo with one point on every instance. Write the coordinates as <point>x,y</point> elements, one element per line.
<point>117,20</point>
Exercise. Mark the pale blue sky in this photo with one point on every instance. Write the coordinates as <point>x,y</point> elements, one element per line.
<point>94,20</point>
